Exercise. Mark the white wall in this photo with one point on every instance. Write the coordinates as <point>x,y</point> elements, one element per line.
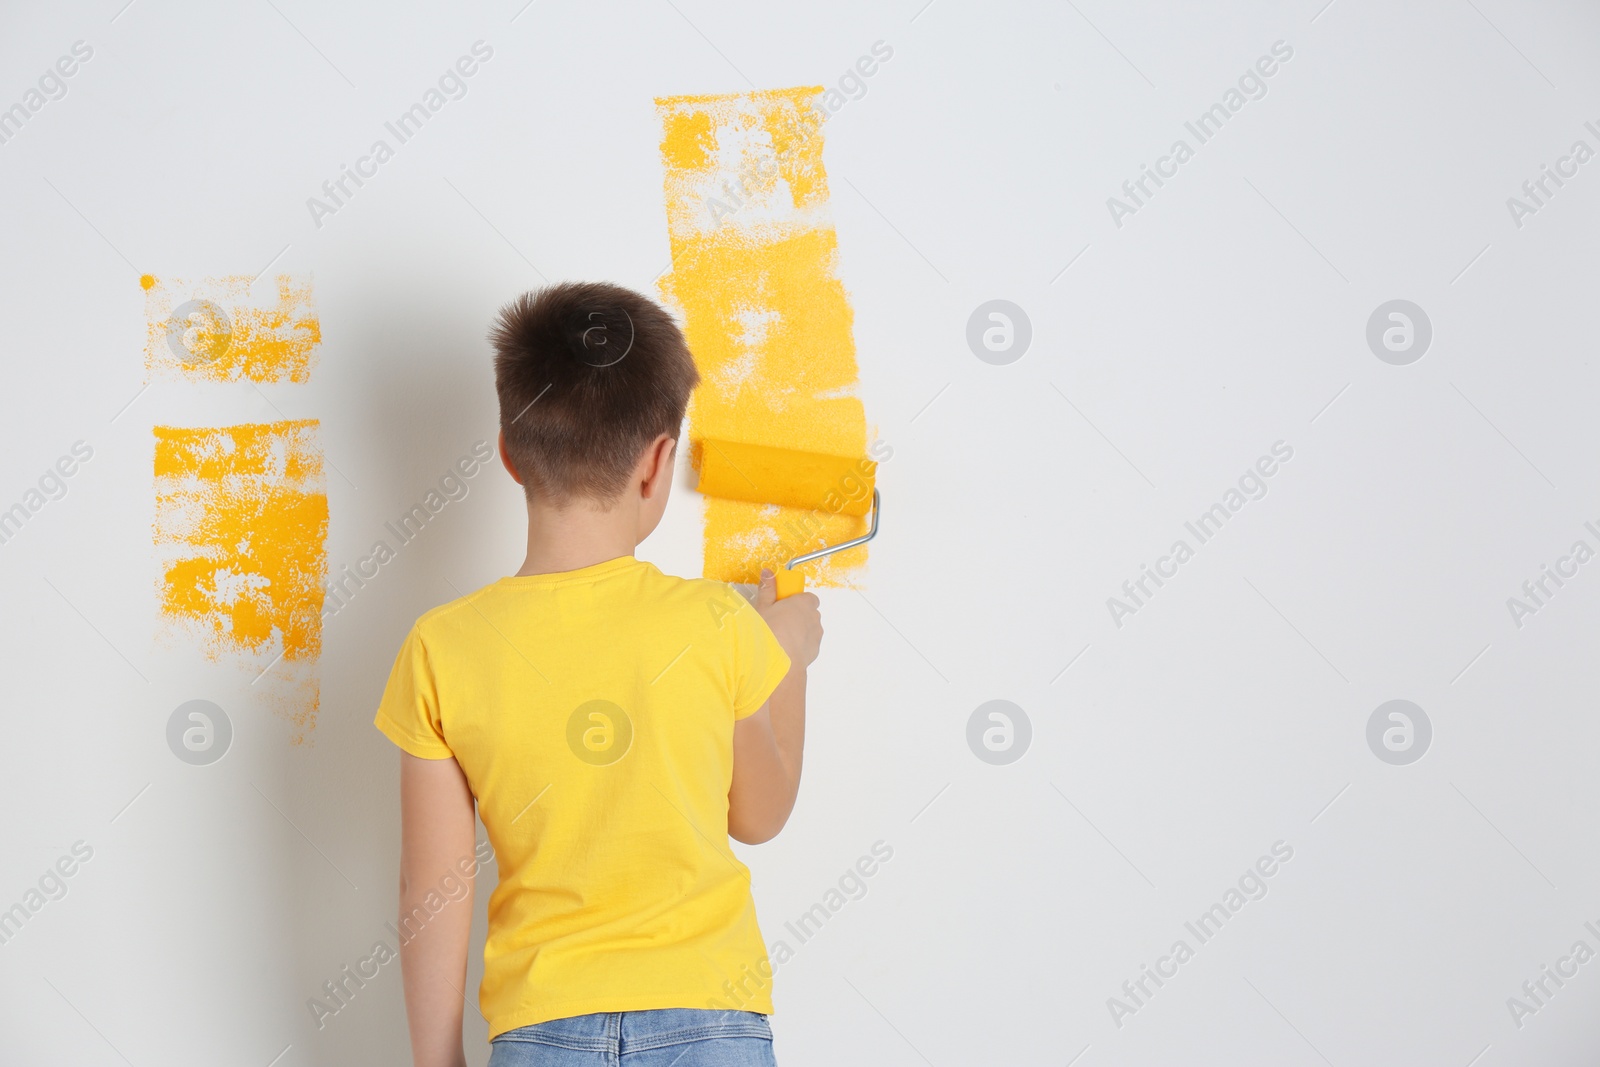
<point>1227,314</point>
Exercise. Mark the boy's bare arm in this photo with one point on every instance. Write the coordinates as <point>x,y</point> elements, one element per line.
<point>768,746</point>
<point>436,832</point>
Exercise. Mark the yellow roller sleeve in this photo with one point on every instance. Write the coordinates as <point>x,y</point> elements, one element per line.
<point>762,474</point>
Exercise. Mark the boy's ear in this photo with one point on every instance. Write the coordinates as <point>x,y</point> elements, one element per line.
<point>505,458</point>
<point>658,465</point>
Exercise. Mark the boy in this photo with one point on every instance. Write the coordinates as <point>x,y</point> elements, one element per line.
<point>615,726</point>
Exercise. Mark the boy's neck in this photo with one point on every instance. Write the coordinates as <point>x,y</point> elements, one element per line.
<point>579,535</point>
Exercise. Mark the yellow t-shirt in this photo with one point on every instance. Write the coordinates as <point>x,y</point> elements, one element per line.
<point>592,712</point>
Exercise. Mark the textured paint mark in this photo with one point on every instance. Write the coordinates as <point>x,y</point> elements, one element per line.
<point>242,525</point>
<point>754,276</point>
<point>228,329</point>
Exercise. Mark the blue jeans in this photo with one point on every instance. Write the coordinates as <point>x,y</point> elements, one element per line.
<point>664,1037</point>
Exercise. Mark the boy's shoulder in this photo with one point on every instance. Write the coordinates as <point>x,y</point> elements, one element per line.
<point>693,587</point>
<point>670,594</point>
<point>446,616</point>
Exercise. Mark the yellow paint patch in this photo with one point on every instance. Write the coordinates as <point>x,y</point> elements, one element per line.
<point>226,329</point>
<point>754,277</point>
<point>687,140</point>
<point>242,525</point>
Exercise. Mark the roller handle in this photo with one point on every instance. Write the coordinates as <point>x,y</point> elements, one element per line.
<point>786,583</point>
<point>789,582</point>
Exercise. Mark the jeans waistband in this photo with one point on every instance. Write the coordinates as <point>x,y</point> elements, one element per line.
<point>636,1031</point>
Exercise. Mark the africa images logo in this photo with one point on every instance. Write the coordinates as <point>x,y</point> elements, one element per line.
<point>599,732</point>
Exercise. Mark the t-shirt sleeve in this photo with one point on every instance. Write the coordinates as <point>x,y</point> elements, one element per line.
<point>408,715</point>
<point>759,661</point>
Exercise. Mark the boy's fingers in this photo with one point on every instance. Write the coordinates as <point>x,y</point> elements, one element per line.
<point>767,591</point>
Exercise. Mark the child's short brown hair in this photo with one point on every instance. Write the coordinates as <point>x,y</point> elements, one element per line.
<point>588,374</point>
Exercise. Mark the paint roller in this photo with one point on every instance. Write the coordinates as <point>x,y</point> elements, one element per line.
<point>764,474</point>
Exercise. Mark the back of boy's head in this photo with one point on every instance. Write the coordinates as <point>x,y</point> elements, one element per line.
<point>588,374</point>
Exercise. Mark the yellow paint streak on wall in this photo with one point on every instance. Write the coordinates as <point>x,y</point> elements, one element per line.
<point>797,143</point>
<point>268,331</point>
<point>754,276</point>
<point>242,523</point>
